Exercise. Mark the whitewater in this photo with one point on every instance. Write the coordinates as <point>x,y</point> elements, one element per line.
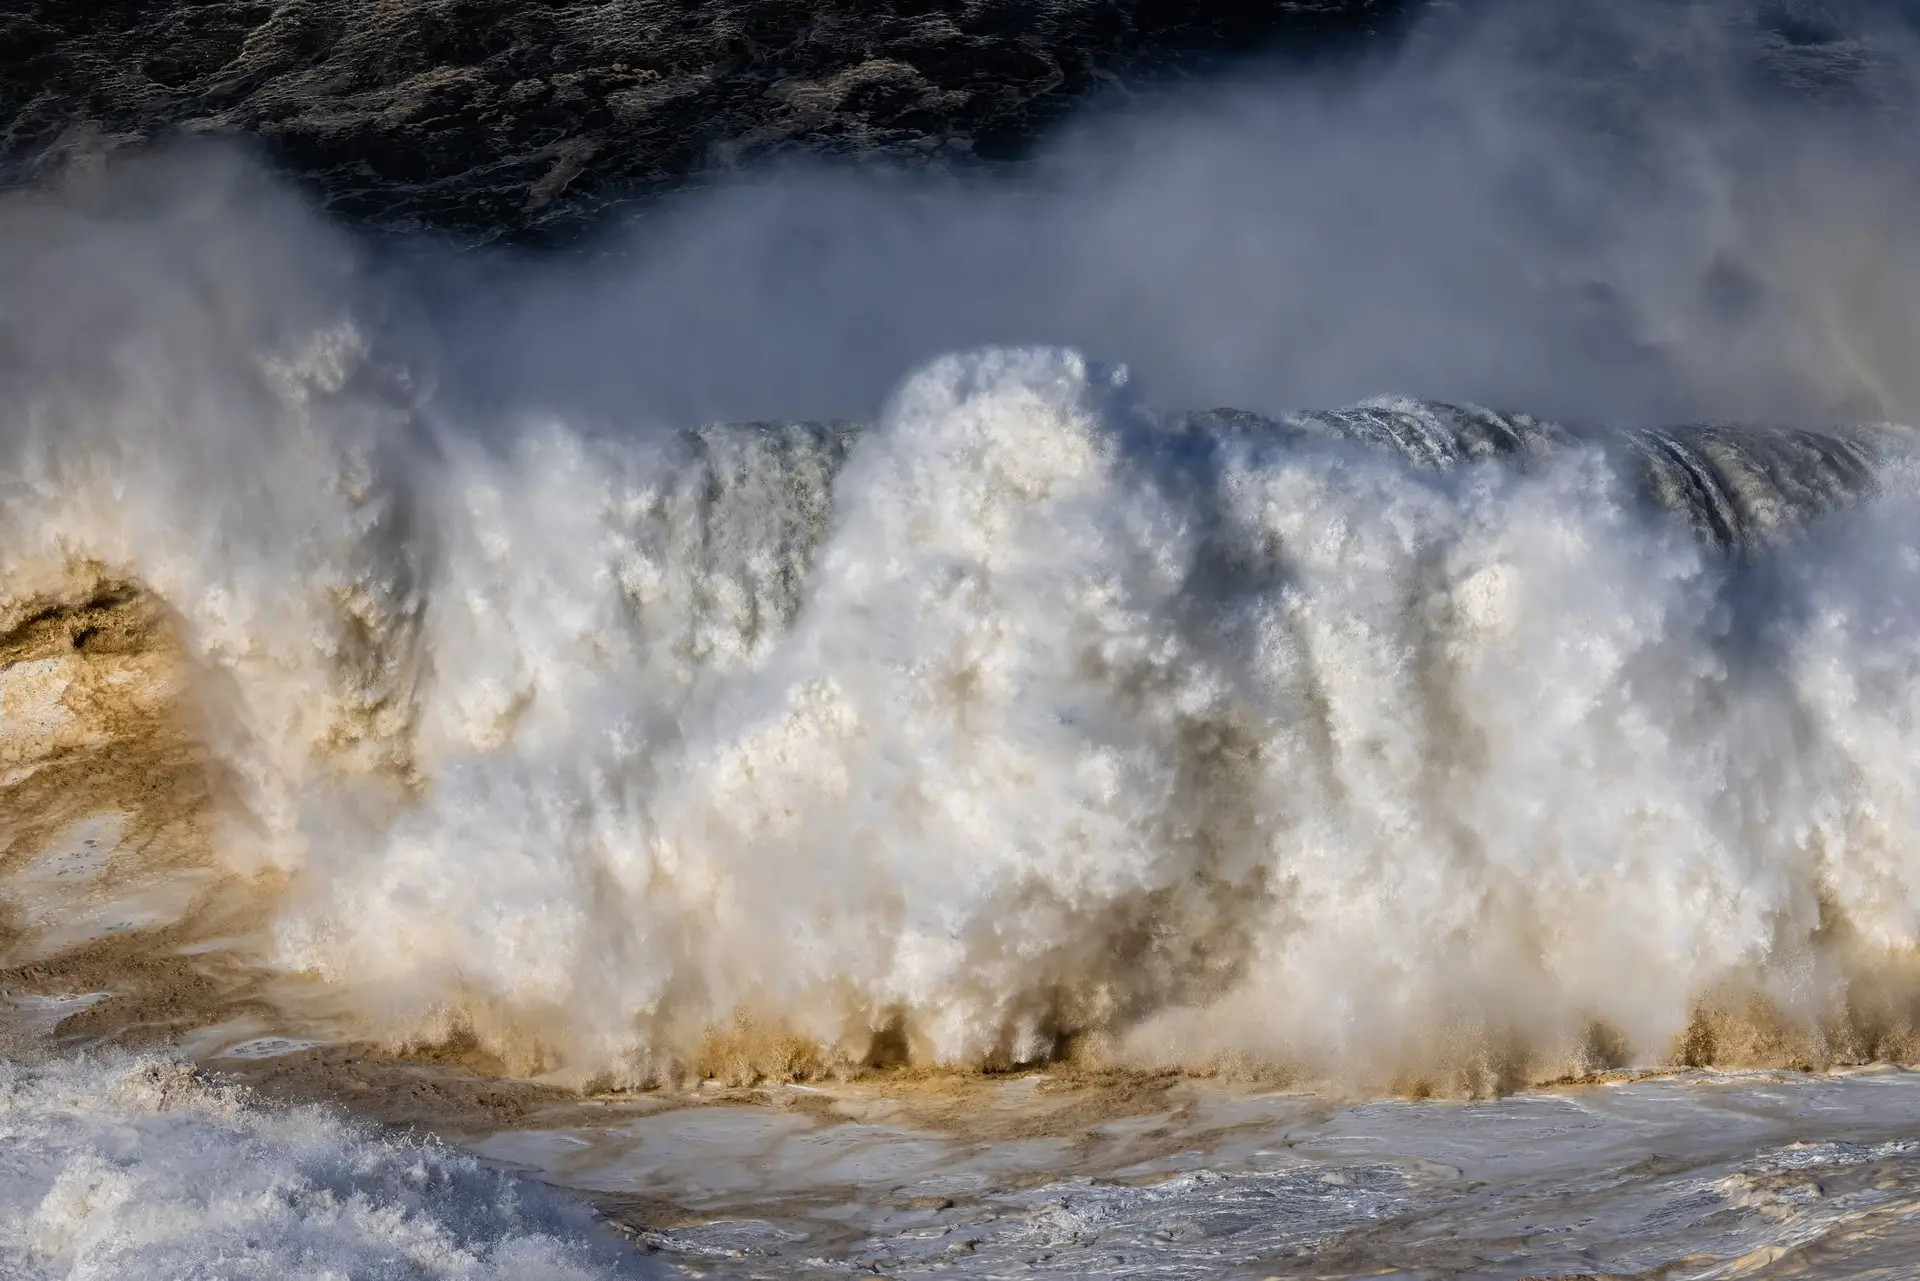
<point>807,742</point>
<point>1044,726</point>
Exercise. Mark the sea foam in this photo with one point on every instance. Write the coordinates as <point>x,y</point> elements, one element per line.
<point>137,1167</point>
<point>1025,722</point>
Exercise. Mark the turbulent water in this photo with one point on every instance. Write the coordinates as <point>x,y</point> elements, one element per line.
<point>1399,740</point>
<point>688,721</point>
<point>134,1168</point>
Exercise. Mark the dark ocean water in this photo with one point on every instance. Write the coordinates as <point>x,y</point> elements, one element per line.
<point>490,118</point>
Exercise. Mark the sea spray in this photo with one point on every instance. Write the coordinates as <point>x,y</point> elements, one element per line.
<point>1029,721</point>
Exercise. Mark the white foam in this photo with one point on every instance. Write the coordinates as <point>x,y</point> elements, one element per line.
<point>1378,753</point>
<point>1019,726</point>
<point>135,1168</point>
<point>1030,725</point>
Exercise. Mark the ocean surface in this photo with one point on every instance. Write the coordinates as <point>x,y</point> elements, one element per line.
<point>1321,678</point>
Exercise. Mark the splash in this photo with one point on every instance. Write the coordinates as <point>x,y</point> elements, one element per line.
<point>1398,743</point>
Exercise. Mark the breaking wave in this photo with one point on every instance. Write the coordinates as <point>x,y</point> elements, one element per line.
<point>1402,744</point>
<point>1026,719</point>
<point>1024,722</point>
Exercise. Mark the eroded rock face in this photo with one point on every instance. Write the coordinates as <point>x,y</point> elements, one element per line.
<point>517,117</point>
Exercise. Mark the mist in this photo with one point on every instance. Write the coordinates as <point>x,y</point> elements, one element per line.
<point>1629,213</point>
<point>1659,211</point>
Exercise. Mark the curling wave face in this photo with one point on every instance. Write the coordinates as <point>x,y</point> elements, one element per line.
<point>1399,744</point>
